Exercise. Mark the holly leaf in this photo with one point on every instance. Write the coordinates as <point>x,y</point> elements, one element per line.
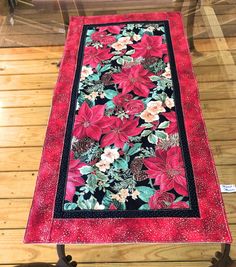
<point>109,93</point>
<point>120,164</point>
<point>134,149</point>
<point>164,124</point>
<point>86,170</point>
<point>152,139</point>
<point>145,192</point>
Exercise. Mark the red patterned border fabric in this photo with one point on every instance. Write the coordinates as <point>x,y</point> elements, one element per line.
<point>69,204</point>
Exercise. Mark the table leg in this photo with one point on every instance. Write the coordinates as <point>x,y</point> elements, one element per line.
<point>222,259</point>
<point>64,261</point>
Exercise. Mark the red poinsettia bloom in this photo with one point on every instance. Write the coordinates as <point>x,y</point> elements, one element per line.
<point>89,122</point>
<point>119,131</point>
<point>167,168</point>
<point>74,177</point>
<point>172,118</point>
<point>93,56</point>
<point>120,99</point>
<point>150,46</point>
<point>112,29</point>
<point>102,37</point>
<point>165,200</point>
<point>134,79</point>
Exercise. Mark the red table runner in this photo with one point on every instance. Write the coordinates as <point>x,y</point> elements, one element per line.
<point>126,156</point>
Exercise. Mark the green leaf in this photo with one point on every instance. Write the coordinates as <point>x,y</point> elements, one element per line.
<point>89,32</point>
<point>101,176</point>
<point>106,201</point>
<point>86,170</point>
<point>109,93</point>
<point>145,192</point>
<point>128,59</point>
<point>178,199</point>
<point>130,52</point>
<point>106,67</point>
<point>145,133</point>
<point>152,139</point>
<point>120,61</point>
<point>134,149</point>
<point>120,164</point>
<point>125,147</point>
<point>92,182</point>
<point>110,105</point>
<point>164,124</point>
<point>147,125</point>
<point>161,134</point>
<point>144,207</point>
<point>154,78</point>
<point>70,206</point>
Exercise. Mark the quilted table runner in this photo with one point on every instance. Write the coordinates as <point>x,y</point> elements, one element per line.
<point>126,156</point>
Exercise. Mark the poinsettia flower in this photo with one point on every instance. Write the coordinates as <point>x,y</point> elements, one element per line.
<point>150,46</point>
<point>134,79</point>
<point>74,177</point>
<point>167,168</point>
<point>103,38</point>
<point>172,118</point>
<point>119,131</point>
<point>112,29</point>
<point>89,122</point>
<point>93,56</point>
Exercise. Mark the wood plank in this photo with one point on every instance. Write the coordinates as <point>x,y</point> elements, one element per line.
<point>12,250</point>
<point>23,182</point>
<point>24,116</point>
<point>224,152</point>
<point>221,129</point>
<point>217,109</point>
<point>31,53</point>
<point>22,136</point>
<point>14,212</point>
<point>142,264</point>
<point>26,98</point>
<point>214,58</point>
<point>28,82</point>
<point>29,66</point>
<point>204,45</point>
<point>217,90</point>
<point>27,158</point>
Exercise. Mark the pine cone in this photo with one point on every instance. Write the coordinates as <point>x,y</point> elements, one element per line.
<point>82,145</point>
<point>140,176</point>
<point>136,165</point>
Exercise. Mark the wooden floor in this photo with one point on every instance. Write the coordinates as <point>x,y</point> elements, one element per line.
<point>27,77</point>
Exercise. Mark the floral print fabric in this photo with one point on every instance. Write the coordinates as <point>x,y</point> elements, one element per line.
<point>125,151</point>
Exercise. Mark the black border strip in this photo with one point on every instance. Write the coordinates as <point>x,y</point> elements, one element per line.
<point>59,211</point>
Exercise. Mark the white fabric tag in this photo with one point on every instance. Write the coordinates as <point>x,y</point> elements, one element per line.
<point>228,188</point>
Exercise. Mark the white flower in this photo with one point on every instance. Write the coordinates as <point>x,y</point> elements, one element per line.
<point>136,37</point>
<point>85,72</point>
<point>103,165</point>
<point>125,40</point>
<point>99,206</point>
<point>118,46</point>
<point>167,72</point>
<point>150,29</point>
<point>135,194</point>
<point>169,102</point>
<point>110,154</point>
<point>149,117</point>
<point>155,107</point>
